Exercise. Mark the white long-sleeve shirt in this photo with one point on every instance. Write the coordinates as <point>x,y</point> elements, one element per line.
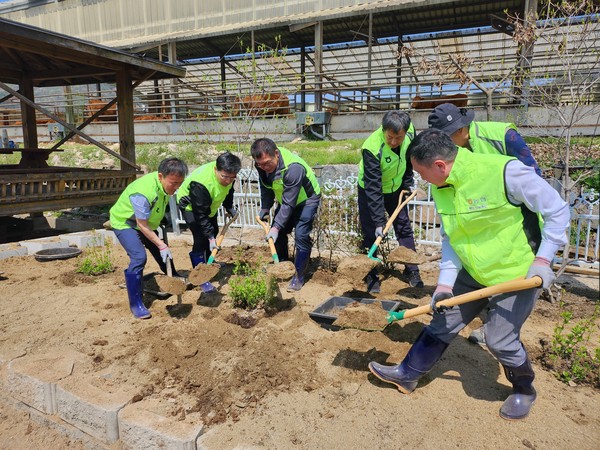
<point>523,186</point>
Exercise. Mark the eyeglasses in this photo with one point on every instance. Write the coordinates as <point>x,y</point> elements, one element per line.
<point>265,163</point>
<point>227,177</point>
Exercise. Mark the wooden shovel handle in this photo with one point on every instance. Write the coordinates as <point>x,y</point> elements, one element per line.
<point>220,238</point>
<point>271,243</point>
<point>507,286</point>
<point>390,222</point>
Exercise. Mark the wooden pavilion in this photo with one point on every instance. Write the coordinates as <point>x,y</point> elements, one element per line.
<point>32,57</point>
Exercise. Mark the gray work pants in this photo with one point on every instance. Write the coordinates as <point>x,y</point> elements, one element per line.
<point>502,329</point>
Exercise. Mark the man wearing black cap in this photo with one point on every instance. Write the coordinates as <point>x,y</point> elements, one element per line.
<point>481,137</point>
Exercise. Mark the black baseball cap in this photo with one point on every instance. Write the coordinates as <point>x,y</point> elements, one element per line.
<point>449,118</point>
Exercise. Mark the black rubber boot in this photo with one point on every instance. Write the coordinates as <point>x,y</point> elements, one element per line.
<point>411,271</point>
<point>133,281</point>
<point>519,403</point>
<point>421,357</point>
<point>301,263</point>
<point>198,258</point>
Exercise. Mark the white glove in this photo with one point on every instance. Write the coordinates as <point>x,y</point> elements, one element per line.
<point>232,212</point>
<point>212,243</point>
<point>541,267</point>
<point>273,234</point>
<point>165,253</point>
<point>379,232</point>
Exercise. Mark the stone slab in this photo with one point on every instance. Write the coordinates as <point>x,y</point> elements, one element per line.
<point>35,245</point>
<point>10,250</point>
<point>84,239</point>
<point>32,379</point>
<point>91,403</point>
<point>139,427</point>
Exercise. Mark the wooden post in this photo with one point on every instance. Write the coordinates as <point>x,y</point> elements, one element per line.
<point>125,115</point>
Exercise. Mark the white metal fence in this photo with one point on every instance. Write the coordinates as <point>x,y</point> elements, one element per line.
<point>341,193</point>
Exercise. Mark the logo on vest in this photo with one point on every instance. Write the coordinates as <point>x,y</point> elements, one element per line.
<point>388,159</point>
<point>477,203</point>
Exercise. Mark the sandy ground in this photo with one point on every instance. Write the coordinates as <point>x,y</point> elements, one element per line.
<point>280,380</point>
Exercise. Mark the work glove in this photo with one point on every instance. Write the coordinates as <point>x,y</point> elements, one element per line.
<point>212,244</point>
<point>264,213</point>
<point>379,232</point>
<point>541,267</point>
<point>165,253</point>
<point>232,212</point>
<point>442,292</point>
<point>272,234</point>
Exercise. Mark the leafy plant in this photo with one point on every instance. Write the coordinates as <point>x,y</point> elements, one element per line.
<point>250,286</point>
<point>569,352</point>
<point>97,260</point>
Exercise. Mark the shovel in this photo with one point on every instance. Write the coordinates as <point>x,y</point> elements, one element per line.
<point>179,285</point>
<point>220,238</point>
<point>271,243</point>
<point>401,204</point>
<point>500,288</point>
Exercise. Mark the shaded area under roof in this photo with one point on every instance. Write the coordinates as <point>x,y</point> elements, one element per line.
<point>53,59</point>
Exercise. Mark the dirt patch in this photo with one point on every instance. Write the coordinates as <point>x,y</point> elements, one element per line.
<point>361,316</point>
<point>247,254</point>
<point>278,379</point>
<point>356,268</point>
<point>403,255</point>
<point>203,273</point>
<point>282,271</point>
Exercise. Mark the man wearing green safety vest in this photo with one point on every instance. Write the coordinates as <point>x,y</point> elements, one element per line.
<point>488,205</point>
<point>383,173</point>
<point>136,216</point>
<point>481,137</point>
<point>286,177</point>
<point>199,199</point>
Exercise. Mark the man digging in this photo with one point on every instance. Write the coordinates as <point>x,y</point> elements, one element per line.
<point>491,234</point>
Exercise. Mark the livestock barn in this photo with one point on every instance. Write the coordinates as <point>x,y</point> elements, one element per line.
<point>347,61</point>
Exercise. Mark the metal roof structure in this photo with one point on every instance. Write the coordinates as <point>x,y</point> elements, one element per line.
<point>52,59</point>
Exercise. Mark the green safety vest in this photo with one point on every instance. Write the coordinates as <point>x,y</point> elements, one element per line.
<point>485,230</point>
<point>122,215</point>
<point>207,177</point>
<point>277,186</point>
<point>489,137</point>
<point>392,165</point>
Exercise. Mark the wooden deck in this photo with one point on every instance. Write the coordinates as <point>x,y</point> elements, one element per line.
<point>54,188</point>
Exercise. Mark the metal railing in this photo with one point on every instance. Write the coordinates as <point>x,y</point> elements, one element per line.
<point>341,194</point>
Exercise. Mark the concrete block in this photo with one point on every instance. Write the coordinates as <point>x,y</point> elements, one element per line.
<point>91,403</point>
<point>139,427</point>
<point>10,250</point>
<point>35,245</point>
<point>84,239</point>
<point>32,379</point>
<point>109,235</point>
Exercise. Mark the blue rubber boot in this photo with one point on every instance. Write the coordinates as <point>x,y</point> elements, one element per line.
<point>421,357</point>
<point>519,403</point>
<point>133,281</point>
<point>197,258</point>
<point>301,263</point>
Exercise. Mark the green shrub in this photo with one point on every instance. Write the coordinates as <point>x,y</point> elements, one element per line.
<point>250,287</point>
<point>569,353</point>
<point>97,260</point>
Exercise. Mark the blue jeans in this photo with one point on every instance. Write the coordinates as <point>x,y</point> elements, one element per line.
<point>135,244</point>
<point>502,328</point>
<point>302,220</point>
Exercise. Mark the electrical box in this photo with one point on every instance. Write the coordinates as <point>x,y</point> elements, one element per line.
<point>313,118</point>
<point>56,131</point>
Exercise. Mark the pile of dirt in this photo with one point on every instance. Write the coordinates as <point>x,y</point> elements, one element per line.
<point>362,316</point>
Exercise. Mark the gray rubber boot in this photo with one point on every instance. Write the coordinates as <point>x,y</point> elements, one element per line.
<point>133,281</point>
<point>519,403</point>
<point>421,357</point>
